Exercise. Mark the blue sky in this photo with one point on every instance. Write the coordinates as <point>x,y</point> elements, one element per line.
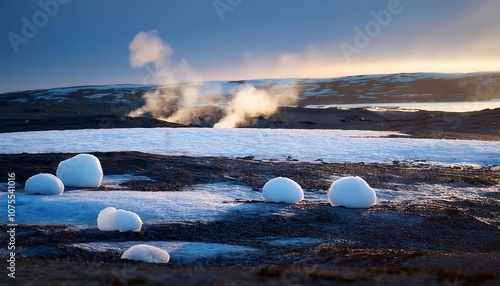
<point>87,42</point>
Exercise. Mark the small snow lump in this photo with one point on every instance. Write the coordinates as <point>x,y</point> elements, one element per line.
<point>83,170</point>
<point>351,192</point>
<point>146,253</point>
<point>110,219</point>
<point>282,190</point>
<point>44,184</point>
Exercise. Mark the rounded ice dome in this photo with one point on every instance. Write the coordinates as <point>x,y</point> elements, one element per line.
<point>44,184</point>
<point>146,253</point>
<point>110,219</point>
<point>351,192</point>
<point>83,170</point>
<point>282,190</point>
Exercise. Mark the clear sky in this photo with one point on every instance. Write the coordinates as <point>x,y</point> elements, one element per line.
<point>51,43</point>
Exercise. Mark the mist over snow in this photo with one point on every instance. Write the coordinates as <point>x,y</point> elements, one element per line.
<point>276,144</point>
<point>44,184</point>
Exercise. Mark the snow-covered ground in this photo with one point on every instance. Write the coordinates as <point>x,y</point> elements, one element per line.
<point>277,144</point>
<point>80,208</point>
<point>180,251</point>
<point>209,202</point>
<point>459,106</point>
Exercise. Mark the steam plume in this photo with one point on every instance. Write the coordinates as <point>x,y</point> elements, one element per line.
<point>148,48</point>
<point>248,103</point>
<point>182,103</point>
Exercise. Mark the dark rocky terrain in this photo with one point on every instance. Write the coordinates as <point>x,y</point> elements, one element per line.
<point>452,241</point>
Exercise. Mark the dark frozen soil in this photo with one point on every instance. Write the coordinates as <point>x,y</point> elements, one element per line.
<point>450,242</point>
<point>415,242</point>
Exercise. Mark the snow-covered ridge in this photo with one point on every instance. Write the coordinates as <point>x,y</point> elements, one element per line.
<point>274,144</point>
<point>378,88</point>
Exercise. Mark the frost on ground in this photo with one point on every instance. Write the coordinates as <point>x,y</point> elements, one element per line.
<point>179,251</point>
<point>351,192</point>
<point>146,253</point>
<point>110,219</point>
<point>426,215</point>
<point>81,208</point>
<point>44,184</point>
<point>282,190</point>
<point>83,170</point>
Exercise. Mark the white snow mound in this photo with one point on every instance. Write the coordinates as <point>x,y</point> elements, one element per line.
<point>83,170</point>
<point>44,184</point>
<point>146,253</point>
<point>282,190</point>
<point>351,192</point>
<point>110,219</point>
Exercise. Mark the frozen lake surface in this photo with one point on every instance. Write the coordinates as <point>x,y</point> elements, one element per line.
<point>274,144</point>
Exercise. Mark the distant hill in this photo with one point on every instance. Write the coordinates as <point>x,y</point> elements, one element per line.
<point>384,88</point>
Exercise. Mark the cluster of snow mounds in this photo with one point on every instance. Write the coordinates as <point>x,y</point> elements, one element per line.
<point>351,192</point>
<point>282,190</point>
<point>83,170</point>
<point>146,253</point>
<point>110,219</point>
<point>44,184</point>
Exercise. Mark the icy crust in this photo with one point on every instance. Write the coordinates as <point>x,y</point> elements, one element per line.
<point>179,251</point>
<point>204,202</point>
<point>282,190</point>
<point>83,170</point>
<point>44,184</point>
<point>110,219</point>
<point>81,208</point>
<point>351,192</point>
<point>146,253</point>
<point>279,144</point>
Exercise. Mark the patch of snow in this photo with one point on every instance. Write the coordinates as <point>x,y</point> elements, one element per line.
<point>44,184</point>
<point>50,97</point>
<point>351,192</point>
<point>83,170</point>
<point>399,193</point>
<point>146,253</point>
<point>308,93</point>
<point>20,100</point>
<point>81,208</point>
<point>366,96</point>
<point>457,106</point>
<point>115,181</point>
<point>180,251</point>
<point>489,80</point>
<point>282,190</point>
<point>110,219</point>
<point>97,95</point>
<point>293,241</point>
<point>416,94</point>
<point>304,145</point>
<point>64,90</point>
<point>320,80</point>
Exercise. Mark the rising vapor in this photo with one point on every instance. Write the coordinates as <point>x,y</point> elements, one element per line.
<point>248,103</point>
<point>178,99</point>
